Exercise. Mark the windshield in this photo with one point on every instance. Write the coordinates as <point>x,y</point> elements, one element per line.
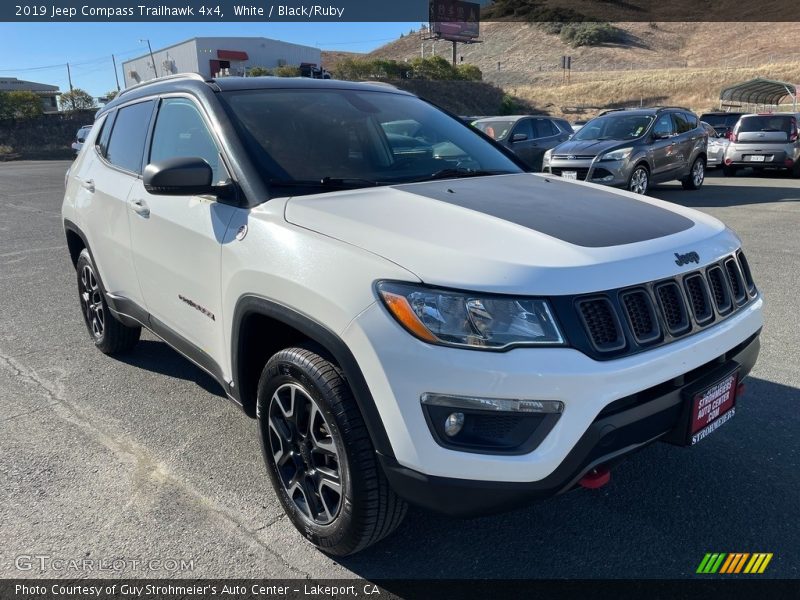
<point>497,130</point>
<point>348,138</point>
<point>614,127</point>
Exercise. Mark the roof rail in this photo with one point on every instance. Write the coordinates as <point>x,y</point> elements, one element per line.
<point>673,108</point>
<point>195,76</point>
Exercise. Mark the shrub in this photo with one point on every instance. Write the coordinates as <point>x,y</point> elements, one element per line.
<point>287,71</point>
<point>259,72</point>
<point>590,34</point>
<point>508,105</point>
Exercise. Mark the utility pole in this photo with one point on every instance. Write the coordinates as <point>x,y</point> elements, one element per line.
<point>116,75</point>
<point>152,58</point>
<point>71,95</point>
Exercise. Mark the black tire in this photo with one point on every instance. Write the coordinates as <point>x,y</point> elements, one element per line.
<point>729,171</point>
<point>796,170</point>
<point>108,333</point>
<point>639,180</point>
<point>697,175</point>
<point>367,509</point>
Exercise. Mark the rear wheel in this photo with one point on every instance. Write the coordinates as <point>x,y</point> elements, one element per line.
<point>109,334</point>
<point>729,171</point>
<point>697,175</point>
<point>319,455</point>
<point>639,181</point>
<point>796,170</point>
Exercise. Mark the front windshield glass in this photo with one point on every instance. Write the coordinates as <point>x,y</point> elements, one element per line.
<point>350,138</point>
<point>495,129</point>
<point>614,127</point>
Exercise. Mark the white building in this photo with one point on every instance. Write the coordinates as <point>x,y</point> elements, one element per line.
<point>48,93</point>
<point>209,55</point>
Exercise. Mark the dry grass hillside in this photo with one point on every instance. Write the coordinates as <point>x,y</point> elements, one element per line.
<point>674,63</point>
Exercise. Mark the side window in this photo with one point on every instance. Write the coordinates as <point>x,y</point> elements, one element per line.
<point>691,120</point>
<point>102,140</point>
<point>180,131</point>
<point>664,126</point>
<point>126,146</point>
<point>544,128</point>
<point>682,125</point>
<point>524,127</point>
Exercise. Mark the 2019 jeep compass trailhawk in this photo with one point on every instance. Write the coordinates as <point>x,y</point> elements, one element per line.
<point>408,319</point>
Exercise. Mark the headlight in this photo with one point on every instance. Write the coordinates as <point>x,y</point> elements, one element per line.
<point>546,158</point>
<point>620,154</point>
<point>479,321</point>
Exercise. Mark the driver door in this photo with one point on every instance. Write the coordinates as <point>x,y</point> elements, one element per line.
<point>177,240</point>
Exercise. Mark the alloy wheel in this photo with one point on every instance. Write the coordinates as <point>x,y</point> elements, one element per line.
<point>638,184</point>
<point>698,173</point>
<point>305,453</point>
<point>92,302</point>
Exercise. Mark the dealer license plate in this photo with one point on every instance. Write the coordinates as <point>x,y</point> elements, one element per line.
<point>712,408</point>
<point>569,174</point>
<point>756,158</point>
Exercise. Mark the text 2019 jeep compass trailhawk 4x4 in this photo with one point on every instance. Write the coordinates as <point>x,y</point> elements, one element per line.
<point>409,320</point>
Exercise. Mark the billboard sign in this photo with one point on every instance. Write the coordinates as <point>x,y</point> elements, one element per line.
<point>455,20</point>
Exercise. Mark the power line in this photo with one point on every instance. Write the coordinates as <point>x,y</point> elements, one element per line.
<point>72,64</point>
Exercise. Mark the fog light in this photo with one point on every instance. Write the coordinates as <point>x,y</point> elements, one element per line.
<point>453,424</point>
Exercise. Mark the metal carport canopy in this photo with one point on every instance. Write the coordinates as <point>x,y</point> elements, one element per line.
<point>759,91</point>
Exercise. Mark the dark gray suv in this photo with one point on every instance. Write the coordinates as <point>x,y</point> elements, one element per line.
<point>529,137</point>
<point>634,149</point>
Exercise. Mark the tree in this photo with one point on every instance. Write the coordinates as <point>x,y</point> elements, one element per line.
<point>258,72</point>
<point>469,73</point>
<point>19,105</point>
<point>108,96</point>
<point>77,99</point>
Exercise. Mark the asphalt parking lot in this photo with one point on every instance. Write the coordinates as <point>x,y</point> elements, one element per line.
<point>144,458</point>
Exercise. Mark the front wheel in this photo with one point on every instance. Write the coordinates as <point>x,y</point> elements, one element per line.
<point>319,456</point>
<point>639,180</point>
<point>694,180</point>
<point>108,333</point>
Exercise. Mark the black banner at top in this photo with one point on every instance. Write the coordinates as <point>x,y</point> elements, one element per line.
<point>392,10</point>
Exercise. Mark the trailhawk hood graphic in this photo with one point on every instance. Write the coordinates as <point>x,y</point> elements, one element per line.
<point>516,233</point>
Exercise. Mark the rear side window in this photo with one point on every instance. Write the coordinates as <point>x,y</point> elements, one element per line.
<point>691,119</point>
<point>544,128</point>
<point>564,125</point>
<point>126,146</point>
<point>180,131</point>
<point>682,125</point>
<point>105,133</point>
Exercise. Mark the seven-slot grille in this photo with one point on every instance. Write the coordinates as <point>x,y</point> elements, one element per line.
<point>662,311</point>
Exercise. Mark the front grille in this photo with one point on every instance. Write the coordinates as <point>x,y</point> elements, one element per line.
<point>748,276</point>
<point>736,280</point>
<point>624,321</point>
<point>673,309</point>
<point>573,156</point>
<point>581,173</point>
<point>641,316</point>
<point>602,324</point>
<point>719,287</point>
<point>699,298</point>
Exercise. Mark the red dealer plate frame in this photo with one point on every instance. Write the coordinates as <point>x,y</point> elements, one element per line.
<point>712,407</point>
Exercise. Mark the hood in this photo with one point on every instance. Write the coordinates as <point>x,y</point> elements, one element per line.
<point>520,233</point>
<point>590,147</point>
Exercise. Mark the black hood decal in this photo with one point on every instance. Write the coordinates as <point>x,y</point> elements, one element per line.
<point>583,216</point>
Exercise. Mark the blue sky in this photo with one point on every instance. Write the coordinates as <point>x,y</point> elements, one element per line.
<point>39,51</point>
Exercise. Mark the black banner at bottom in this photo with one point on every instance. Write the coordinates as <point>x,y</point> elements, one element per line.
<point>383,589</point>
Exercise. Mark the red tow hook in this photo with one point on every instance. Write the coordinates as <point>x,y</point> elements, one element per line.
<point>596,478</point>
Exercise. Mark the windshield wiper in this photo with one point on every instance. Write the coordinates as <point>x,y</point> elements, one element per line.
<point>454,173</point>
<point>327,182</point>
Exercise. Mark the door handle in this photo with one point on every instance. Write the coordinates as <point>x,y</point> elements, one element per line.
<point>88,184</point>
<point>140,208</point>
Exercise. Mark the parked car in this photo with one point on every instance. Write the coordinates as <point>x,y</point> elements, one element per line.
<point>529,137</point>
<point>723,122</point>
<point>576,125</point>
<point>455,333</point>
<point>764,141</point>
<point>80,137</point>
<point>634,149</point>
<point>717,144</point>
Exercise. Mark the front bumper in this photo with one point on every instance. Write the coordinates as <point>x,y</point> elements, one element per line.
<point>622,427</point>
<point>607,172</point>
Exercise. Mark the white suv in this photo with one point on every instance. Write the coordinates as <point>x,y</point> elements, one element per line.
<point>409,318</point>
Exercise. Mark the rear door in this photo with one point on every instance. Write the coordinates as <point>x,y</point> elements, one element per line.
<point>106,175</point>
<point>177,240</point>
<point>688,135</point>
<point>525,149</point>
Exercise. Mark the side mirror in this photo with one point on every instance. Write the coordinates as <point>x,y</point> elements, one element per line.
<point>519,137</point>
<point>182,176</point>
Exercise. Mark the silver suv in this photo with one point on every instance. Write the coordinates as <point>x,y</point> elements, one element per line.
<point>764,141</point>
<point>634,148</point>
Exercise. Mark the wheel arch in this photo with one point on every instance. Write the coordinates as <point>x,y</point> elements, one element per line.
<point>262,327</point>
<point>76,241</point>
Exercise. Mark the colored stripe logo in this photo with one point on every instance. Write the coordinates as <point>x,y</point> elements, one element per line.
<point>734,563</point>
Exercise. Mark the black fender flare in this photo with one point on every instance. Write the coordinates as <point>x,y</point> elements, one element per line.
<point>250,304</point>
